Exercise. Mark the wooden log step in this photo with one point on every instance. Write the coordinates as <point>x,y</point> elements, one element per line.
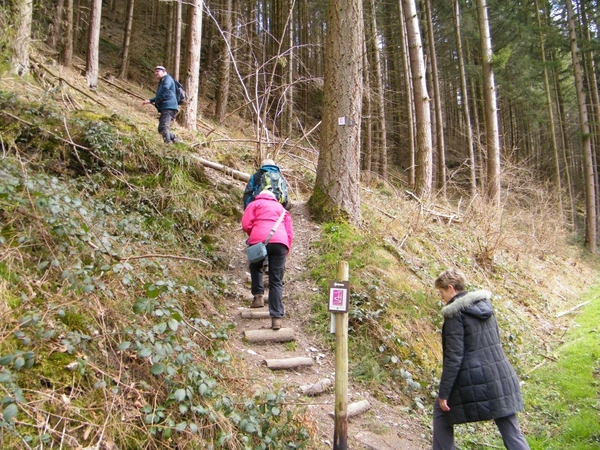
<point>317,388</point>
<point>268,335</point>
<point>252,314</point>
<point>288,363</point>
<point>356,408</point>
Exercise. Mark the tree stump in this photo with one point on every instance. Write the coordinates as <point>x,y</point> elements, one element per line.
<point>268,335</point>
<point>288,363</point>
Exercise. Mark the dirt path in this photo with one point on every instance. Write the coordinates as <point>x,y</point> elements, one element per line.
<point>382,427</point>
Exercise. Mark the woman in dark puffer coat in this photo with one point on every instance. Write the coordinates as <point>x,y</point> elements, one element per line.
<point>478,383</point>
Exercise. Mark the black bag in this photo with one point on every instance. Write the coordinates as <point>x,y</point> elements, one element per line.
<point>179,92</point>
<point>256,252</point>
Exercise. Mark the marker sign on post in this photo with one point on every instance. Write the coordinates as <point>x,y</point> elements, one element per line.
<point>338,296</point>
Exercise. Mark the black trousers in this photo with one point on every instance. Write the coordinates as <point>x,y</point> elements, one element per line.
<point>164,124</point>
<point>276,254</point>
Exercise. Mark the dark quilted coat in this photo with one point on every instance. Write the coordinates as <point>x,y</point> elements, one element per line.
<point>477,380</point>
<point>165,97</point>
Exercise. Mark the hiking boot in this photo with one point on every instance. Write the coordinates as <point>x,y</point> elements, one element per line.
<point>276,323</point>
<point>257,302</point>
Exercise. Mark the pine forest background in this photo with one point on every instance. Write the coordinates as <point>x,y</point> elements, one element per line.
<point>266,60</point>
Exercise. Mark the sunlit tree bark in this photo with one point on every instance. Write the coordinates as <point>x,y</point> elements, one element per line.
<point>464,97</point>
<point>439,121</point>
<point>492,132</point>
<point>189,112</point>
<point>421,101</point>
<point>337,186</point>
<point>23,10</point>
<point>91,70</point>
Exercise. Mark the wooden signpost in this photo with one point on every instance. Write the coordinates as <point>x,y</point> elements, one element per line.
<point>339,291</point>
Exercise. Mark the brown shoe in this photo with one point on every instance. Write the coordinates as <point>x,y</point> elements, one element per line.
<point>257,302</point>
<point>276,323</point>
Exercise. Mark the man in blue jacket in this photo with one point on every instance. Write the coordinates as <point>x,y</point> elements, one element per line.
<point>165,102</point>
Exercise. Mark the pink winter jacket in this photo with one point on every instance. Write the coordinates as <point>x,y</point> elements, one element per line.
<point>261,215</point>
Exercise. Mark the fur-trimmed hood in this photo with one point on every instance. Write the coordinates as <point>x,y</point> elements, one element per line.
<point>476,304</point>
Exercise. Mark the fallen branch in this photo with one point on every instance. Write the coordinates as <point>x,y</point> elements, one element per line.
<point>157,255</point>
<point>449,217</point>
<point>227,170</point>
<point>574,308</point>
<point>59,78</point>
<point>122,89</point>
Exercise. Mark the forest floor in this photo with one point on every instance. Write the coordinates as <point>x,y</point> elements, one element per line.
<point>383,426</point>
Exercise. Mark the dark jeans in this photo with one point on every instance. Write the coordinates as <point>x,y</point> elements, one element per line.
<point>164,123</point>
<point>443,434</point>
<point>276,254</point>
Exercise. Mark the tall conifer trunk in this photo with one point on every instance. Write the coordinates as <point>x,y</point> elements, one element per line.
<point>337,186</point>
<point>492,132</point>
<point>590,200</point>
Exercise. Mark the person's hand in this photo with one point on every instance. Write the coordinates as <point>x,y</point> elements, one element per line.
<point>444,404</point>
<point>145,102</point>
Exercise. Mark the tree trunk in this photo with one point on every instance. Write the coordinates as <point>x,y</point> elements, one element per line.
<point>192,76</point>
<point>303,61</point>
<point>57,24</point>
<point>552,131</point>
<point>590,200</point>
<point>564,142</point>
<point>287,120</point>
<point>590,70</point>
<point>23,19</point>
<point>169,60</point>
<point>421,101</point>
<point>468,131</point>
<point>91,71</point>
<point>66,42</point>
<point>492,133</point>
<point>337,186</point>
<point>366,141</point>
<point>378,95</point>
<point>439,121</point>
<point>177,46</point>
<point>225,62</point>
<point>409,104</point>
<point>127,41</point>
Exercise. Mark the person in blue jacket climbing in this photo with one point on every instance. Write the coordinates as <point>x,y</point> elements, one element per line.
<point>165,101</point>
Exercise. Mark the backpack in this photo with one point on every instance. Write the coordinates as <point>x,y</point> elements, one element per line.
<point>276,183</point>
<point>179,92</point>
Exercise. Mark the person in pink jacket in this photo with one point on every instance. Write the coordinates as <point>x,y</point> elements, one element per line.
<point>258,220</point>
